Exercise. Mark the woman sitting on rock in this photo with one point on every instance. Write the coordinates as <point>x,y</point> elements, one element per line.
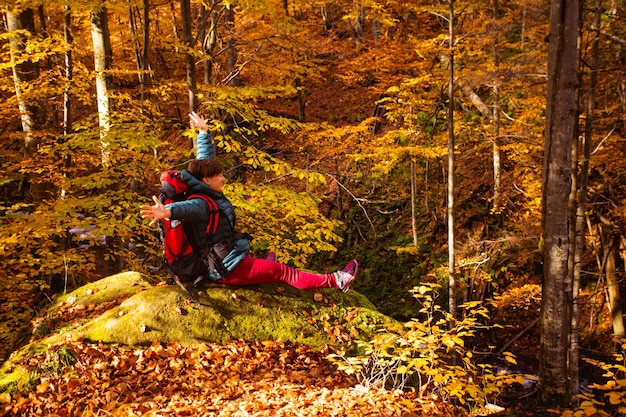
<point>227,258</point>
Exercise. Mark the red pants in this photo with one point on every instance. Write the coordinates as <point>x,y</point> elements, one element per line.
<point>262,271</point>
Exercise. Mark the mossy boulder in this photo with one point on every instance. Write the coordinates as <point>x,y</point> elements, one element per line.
<point>129,309</point>
<point>224,313</point>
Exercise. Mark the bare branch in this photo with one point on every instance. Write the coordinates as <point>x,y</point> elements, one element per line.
<point>355,198</point>
<point>602,141</point>
<point>614,38</point>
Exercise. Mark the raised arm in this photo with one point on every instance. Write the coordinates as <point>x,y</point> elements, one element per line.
<point>204,143</point>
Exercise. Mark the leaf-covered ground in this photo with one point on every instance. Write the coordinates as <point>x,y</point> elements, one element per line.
<point>232,379</point>
<point>90,354</point>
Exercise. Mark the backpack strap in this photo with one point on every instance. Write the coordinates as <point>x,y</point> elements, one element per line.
<point>211,227</point>
<point>213,222</point>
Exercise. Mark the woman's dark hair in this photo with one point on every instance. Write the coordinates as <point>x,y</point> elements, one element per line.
<point>201,168</point>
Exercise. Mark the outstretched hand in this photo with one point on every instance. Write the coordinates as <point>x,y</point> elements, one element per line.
<point>197,121</point>
<point>156,212</point>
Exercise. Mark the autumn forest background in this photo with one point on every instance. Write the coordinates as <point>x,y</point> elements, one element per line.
<point>334,121</point>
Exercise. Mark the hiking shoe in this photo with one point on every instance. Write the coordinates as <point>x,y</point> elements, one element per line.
<point>345,277</point>
<point>200,280</point>
<point>272,256</point>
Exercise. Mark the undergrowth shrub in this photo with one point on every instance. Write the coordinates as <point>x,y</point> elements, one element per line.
<point>429,355</point>
<point>608,398</point>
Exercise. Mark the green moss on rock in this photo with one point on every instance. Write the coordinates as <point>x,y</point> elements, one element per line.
<point>223,313</point>
<point>116,286</point>
<point>166,313</point>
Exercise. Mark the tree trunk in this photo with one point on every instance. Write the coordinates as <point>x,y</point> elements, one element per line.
<point>451,248</point>
<point>376,31</point>
<point>612,283</point>
<point>23,72</point>
<point>69,69</point>
<point>210,41</point>
<point>574,279</point>
<point>581,197</point>
<point>102,63</point>
<point>141,49</point>
<point>496,154</point>
<point>622,250</point>
<point>556,186</point>
<point>205,15</point>
<point>414,203</point>
<point>185,15</point>
<point>145,56</point>
<point>497,164</point>
<point>233,77</point>
<point>359,23</point>
<point>572,301</point>
<point>41,14</point>
<point>174,23</point>
<point>301,100</point>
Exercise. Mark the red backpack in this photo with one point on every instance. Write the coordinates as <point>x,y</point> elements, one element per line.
<point>181,260</point>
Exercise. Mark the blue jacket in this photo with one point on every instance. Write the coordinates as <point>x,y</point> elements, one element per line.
<point>204,147</point>
<point>197,212</point>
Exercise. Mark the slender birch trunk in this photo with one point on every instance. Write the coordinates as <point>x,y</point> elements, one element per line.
<point>69,70</point>
<point>69,73</point>
<point>24,71</point>
<point>451,247</point>
<point>102,63</point>
<point>496,157</point>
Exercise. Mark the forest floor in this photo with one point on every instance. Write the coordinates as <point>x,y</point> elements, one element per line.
<point>234,379</point>
<point>74,377</point>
